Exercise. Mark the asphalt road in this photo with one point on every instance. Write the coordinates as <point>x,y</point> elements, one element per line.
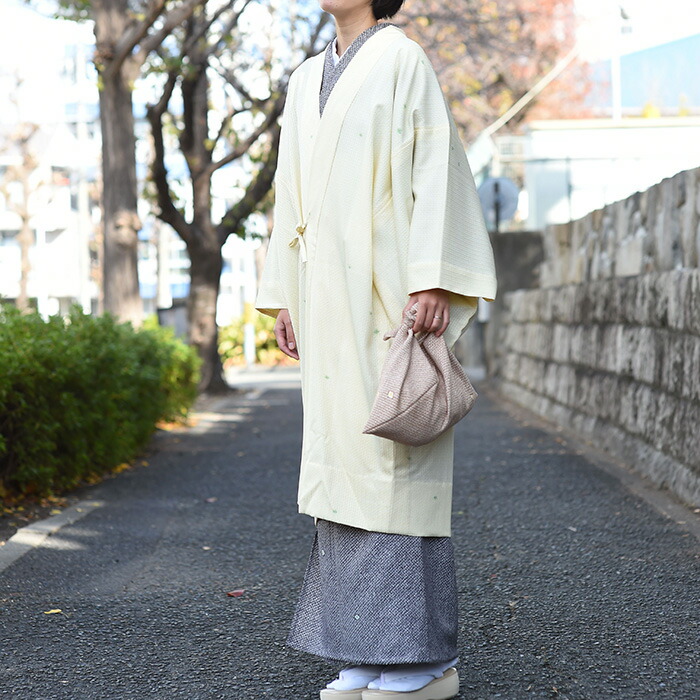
<point>571,586</point>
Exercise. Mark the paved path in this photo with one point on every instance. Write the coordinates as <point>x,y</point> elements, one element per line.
<point>570,585</point>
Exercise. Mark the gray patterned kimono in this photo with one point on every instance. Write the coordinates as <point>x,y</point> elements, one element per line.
<point>374,597</point>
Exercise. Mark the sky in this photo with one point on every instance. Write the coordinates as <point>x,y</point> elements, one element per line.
<point>651,22</point>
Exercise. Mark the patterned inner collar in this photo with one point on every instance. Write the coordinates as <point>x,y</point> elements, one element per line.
<point>334,66</point>
<point>332,54</point>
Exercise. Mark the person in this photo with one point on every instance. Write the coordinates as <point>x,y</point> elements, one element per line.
<point>375,209</point>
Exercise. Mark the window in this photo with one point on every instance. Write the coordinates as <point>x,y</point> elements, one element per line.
<point>8,238</point>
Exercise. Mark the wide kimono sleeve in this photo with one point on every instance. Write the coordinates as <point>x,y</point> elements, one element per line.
<point>277,288</point>
<point>449,247</point>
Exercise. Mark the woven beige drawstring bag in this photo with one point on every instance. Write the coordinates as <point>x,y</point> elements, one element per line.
<point>423,389</point>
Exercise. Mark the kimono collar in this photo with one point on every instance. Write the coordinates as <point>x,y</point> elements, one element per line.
<point>333,65</point>
<point>319,133</point>
<point>331,49</point>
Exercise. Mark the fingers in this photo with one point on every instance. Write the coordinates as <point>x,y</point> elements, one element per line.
<point>445,321</point>
<point>284,334</point>
<point>291,339</point>
<point>421,323</point>
<point>432,317</point>
<point>288,347</point>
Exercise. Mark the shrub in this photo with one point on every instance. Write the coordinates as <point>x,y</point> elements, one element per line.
<point>180,370</point>
<point>266,351</point>
<point>80,395</point>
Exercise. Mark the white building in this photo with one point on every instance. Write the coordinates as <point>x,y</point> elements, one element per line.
<point>647,100</point>
<point>575,166</point>
<point>62,221</point>
<point>58,92</point>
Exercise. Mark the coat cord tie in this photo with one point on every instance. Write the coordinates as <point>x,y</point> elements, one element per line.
<point>299,240</point>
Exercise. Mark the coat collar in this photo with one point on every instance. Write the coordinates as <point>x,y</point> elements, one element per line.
<point>321,133</point>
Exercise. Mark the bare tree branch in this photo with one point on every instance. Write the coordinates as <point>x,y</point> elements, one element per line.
<point>311,50</point>
<point>226,30</point>
<point>246,144</point>
<point>135,34</point>
<point>226,123</point>
<point>173,19</point>
<point>202,29</point>
<point>255,192</point>
<point>236,84</point>
<point>159,174</point>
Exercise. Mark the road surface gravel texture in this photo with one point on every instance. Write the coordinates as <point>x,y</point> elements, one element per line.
<point>570,585</point>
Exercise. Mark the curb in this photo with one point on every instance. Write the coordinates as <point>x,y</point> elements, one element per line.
<point>33,535</point>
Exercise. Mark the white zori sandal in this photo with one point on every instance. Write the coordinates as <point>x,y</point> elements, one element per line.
<point>350,683</point>
<point>416,682</point>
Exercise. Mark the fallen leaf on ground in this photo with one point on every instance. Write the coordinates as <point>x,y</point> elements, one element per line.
<point>51,612</point>
<point>237,593</point>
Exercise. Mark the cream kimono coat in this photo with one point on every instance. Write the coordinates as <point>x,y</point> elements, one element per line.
<point>373,201</point>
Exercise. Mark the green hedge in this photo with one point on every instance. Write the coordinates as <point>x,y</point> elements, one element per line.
<point>266,350</point>
<point>81,395</point>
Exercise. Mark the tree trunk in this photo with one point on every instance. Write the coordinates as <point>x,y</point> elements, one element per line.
<point>120,220</point>
<point>204,248</point>
<point>205,276</point>
<point>197,143</point>
<point>22,174</point>
<point>25,238</point>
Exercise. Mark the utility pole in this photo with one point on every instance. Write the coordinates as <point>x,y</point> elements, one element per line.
<point>164,298</point>
<point>623,27</point>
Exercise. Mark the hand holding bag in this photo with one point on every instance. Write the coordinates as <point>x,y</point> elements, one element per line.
<point>423,389</point>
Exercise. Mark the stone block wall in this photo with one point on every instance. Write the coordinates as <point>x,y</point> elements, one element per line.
<point>518,256</point>
<point>652,231</point>
<point>616,357</point>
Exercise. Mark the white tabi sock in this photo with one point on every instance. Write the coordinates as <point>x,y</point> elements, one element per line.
<point>355,677</point>
<point>404,679</point>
